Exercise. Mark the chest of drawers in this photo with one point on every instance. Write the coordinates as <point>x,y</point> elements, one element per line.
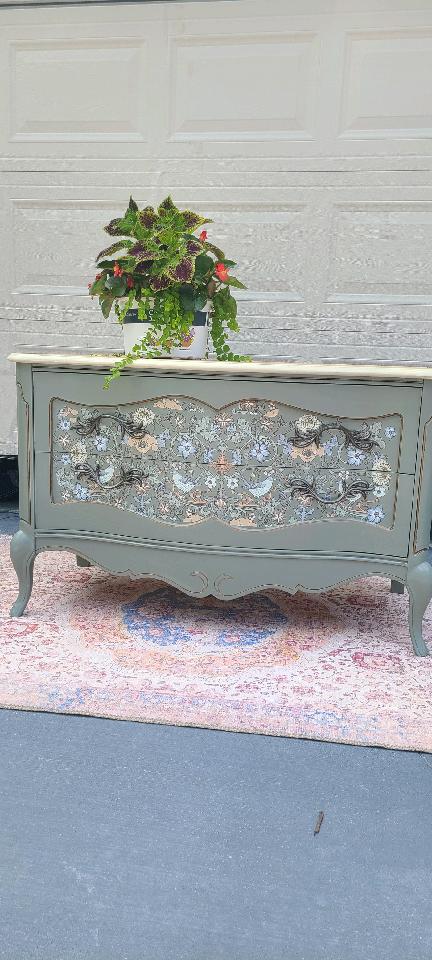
<point>226,479</point>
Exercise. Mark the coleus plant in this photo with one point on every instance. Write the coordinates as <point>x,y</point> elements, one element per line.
<point>163,269</point>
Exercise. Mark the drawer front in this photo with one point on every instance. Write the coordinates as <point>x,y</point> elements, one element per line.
<point>178,494</point>
<point>250,434</point>
<point>263,470</point>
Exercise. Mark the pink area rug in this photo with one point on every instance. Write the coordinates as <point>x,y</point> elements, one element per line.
<point>337,666</point>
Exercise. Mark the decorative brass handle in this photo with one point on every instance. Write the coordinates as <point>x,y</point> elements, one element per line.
<point>86,427</point>
<point>361,439</point>
<point>349,491</point>
<point>126,478</point>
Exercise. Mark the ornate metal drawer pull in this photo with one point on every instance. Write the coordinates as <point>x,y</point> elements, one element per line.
<point>360,439</point>
<point>348,491</point>
<point>92,425</point>
<point>126,478</point>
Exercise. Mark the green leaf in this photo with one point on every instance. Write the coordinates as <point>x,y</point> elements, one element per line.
<point>203,265</point>
<point>106,304</point>
<point>200,301</point>
<point>113,227</point>
<point>233,282</point>
<point>118,245</point>
<point>167,207</point>
<point>132,205</point>
<point>187,298</point>
<point>117,286</point>
<point>192,220</point>
<point>147,217</point>
<point>98,287</point>
<point>219,254</point>
<point>127,223</point>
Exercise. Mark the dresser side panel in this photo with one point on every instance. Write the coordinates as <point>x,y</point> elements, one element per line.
<point>24,385</point>
<point>422,505</point>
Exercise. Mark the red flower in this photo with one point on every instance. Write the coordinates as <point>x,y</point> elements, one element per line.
<point>221,272</point>
<point>89,285</point>
<point>203,235</point>
<point>129,282</point>
<point>98,276</point>
<point>117,270</point>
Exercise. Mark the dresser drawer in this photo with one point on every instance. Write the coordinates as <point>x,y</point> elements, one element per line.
<point>287,509</point>
<point>297,466</point>
<point>207,420</point>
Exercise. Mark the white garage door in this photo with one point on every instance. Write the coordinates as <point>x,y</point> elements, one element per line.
<point>302,127</point>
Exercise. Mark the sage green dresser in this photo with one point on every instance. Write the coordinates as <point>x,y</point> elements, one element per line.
<point>226,479</point>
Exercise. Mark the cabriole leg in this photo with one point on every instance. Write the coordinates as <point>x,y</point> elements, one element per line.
<point>419,583</point>
<point>22,553</point>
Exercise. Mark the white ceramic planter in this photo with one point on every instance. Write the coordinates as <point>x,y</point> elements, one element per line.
<point>194,345</point>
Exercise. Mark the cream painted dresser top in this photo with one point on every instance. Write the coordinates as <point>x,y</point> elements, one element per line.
<point>224,478</point>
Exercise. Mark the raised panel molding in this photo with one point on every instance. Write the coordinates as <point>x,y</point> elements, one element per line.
<point>387,84</point>
<point>55,242</point>
<point>259,87</point>
<point>78,90</point>
<point>381,252</point>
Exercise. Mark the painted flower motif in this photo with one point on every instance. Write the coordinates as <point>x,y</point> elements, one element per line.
<point>375,515</point>
<point>209,456</point>
<point>211,482</point>
<point>236,458</point>
<point>65,458</point>
<point>186,447</point>
<point>209,429</point>
<point>306,454</point>
<point>304,513</point>
<point>187,340</point>
<point>232,483</point>
<point>79,452</point>
<point>308,424</point>
<point>379,491</point>
<point>100,443</point>
<point>355,457</point>
<point>381,466</point>
<point>143,416</point>
<point>390,432</point>
<point>142,504</point>
<point>242,429</point>
<point>80,492</point>
<point>330,445</point>
<point>286,444</point>
<point>163,438</point>
<point>259,451</point>
<point>63,422</point>
<point>381,478</point>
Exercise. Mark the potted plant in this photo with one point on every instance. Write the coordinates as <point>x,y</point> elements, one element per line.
<point>168,286</point>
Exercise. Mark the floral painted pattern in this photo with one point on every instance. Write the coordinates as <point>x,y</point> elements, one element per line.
<point>251,464</point>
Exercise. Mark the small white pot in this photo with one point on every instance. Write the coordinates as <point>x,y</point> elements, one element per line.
<point>194,345</point>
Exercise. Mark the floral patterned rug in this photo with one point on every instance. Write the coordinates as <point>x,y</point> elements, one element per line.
<point>337,666</point>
